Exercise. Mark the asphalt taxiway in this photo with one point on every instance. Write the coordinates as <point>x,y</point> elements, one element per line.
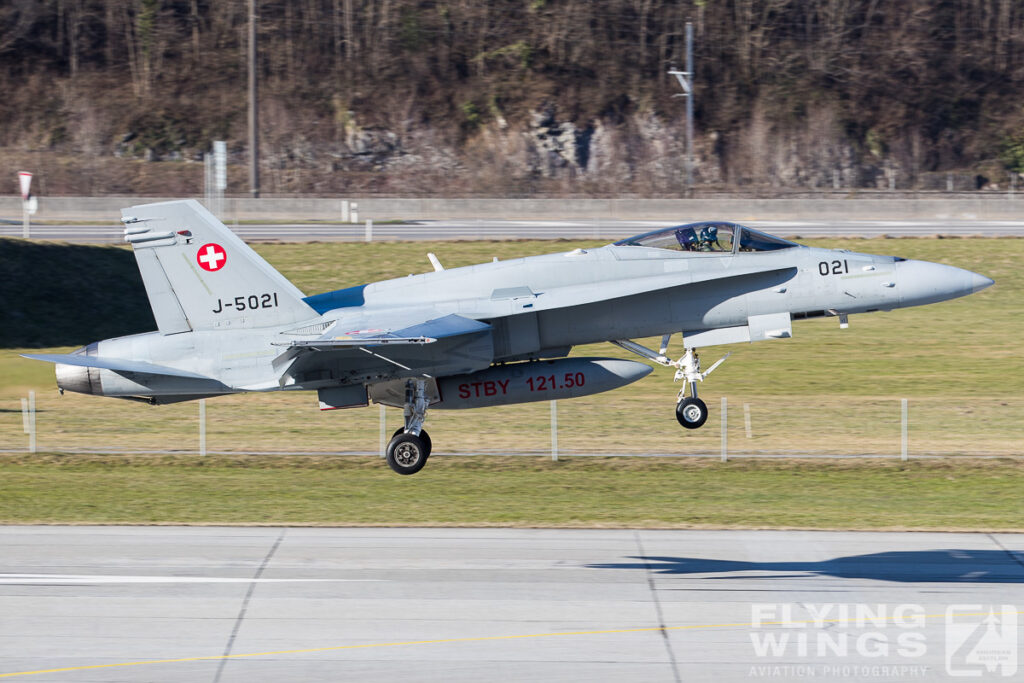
<point>270,604</point>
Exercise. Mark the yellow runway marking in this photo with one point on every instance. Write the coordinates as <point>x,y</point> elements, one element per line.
<point>476,639</point>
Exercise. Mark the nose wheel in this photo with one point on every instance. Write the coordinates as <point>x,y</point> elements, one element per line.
<point>692,412</point>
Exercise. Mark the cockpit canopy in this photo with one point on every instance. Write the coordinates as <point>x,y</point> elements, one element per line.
<point>708,236</point>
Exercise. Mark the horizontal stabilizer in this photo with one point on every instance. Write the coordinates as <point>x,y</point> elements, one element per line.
<point>115,364</point>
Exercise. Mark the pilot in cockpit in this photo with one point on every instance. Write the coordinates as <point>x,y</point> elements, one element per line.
<point>709,238</point>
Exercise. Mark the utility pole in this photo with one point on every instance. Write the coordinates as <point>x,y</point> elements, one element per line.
<point>254,137</point>
<point>685,79</point>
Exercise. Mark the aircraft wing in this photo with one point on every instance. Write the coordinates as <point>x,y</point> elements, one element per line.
<point>405,343</point>
<point>401,329</point>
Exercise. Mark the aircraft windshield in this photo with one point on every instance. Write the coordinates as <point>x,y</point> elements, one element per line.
<point>708,236</point>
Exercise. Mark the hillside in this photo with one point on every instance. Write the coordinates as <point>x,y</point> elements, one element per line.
<point>513,97</point>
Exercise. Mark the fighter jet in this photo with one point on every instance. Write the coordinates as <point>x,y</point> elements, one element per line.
<point>485,335</point>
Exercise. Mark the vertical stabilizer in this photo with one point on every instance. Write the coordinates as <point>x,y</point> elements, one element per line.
<point>199,275</point>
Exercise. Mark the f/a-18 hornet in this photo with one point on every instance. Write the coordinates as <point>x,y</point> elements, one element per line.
<point>485,335</point>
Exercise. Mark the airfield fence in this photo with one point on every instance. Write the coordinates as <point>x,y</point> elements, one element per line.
<point>765,426</point>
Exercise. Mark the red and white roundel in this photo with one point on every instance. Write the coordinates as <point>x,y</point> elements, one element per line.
<point>211,257</point>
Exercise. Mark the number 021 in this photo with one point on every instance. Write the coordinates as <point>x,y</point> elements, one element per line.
<point>836,267</point>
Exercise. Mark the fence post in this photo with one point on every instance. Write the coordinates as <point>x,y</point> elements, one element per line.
<point>554,431</point>
<point>904,455</point>
<point>383,433</point>
<point>344,211</point>
<point>746,419</point>
<point>725,423</point>
<point>369,230</point>
<point>32,422</point>
<point>28,419</point>
<point>202,426</point>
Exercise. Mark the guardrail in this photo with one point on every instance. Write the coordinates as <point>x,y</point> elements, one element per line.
<point>976,207</point>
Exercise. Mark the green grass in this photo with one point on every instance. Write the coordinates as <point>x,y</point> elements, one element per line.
<point>476,491</point>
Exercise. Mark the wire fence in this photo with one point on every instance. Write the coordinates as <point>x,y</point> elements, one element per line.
<point>755,426</point>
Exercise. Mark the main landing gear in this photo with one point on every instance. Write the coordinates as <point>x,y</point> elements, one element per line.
<point>410,446</point>
<point>691,412</point>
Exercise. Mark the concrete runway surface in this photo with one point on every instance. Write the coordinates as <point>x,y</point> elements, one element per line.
<point>611,230</point>
<point>298,604</point>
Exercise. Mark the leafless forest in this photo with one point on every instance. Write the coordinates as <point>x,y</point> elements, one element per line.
<point>514,97</point>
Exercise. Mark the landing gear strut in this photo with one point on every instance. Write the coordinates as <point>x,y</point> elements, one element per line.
<point>410,446</point>
<point>691,412</point>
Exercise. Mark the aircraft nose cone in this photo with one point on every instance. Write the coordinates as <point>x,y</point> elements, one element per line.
<point>980,282</point>
<point>923,282</point>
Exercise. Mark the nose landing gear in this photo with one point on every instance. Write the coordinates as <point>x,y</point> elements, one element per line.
<point>410,446</point>
<point>691,412</point>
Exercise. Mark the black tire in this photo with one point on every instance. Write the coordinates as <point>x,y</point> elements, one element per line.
<point>692,413</point>
<point>407,454</point>
<point>423,437</point>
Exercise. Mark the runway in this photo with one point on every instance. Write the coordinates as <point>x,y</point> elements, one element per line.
<point>270,604</point>
<point>609,230</point>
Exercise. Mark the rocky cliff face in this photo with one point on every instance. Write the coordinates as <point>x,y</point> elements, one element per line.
<point>545,152</point>
<point>640,153</point>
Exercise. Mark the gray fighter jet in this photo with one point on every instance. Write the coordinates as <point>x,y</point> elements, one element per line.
<point>485,335</point>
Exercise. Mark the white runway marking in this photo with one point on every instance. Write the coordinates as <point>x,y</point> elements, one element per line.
<point>99,579</point>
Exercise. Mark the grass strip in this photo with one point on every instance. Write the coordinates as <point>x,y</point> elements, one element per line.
<point>481,491</point>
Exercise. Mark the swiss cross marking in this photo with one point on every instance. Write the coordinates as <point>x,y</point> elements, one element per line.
<point>211,257</point>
